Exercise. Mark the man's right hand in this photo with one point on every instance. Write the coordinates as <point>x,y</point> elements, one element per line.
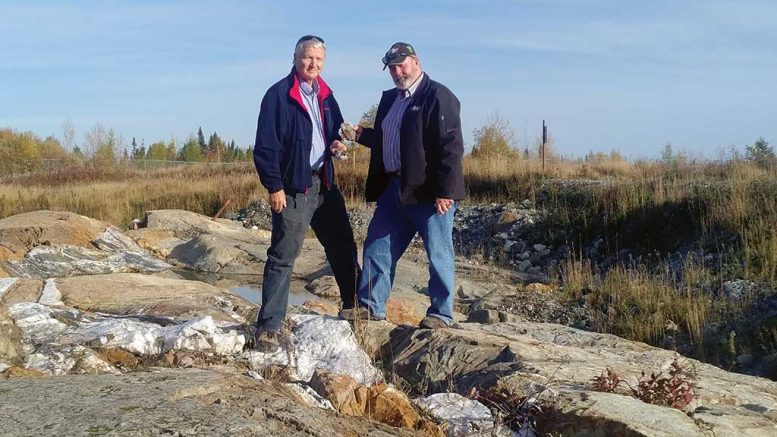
<point>277,201</point>
<point>358,128</point>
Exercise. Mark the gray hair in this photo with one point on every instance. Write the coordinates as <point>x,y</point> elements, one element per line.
<point>313,42</point>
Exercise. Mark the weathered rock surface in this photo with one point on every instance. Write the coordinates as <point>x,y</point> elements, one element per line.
<point>199,243</point>
<point>47,244</point>
<point>168,402</point>
<point>533,358</point>
<point>318,342</point>
<point>196,242</point>
<point>109,323</point>
<point>59,340</point>
<point>10,341</point>
<point>135,294</point>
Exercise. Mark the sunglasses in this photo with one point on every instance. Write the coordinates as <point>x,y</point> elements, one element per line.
<point>310,38</point>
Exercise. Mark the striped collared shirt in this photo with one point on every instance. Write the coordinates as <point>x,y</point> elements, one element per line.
<point>310,97</point>
<point>391,126</point>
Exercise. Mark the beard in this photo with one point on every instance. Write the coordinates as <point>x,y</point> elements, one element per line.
<point>403,82</point>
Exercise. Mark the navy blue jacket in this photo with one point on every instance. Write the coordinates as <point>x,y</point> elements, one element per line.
<point>430,143</point>
<point>284,134</point>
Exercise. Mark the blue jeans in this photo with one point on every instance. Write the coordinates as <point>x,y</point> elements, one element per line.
<point>392,228</point>
<point>324,211</point>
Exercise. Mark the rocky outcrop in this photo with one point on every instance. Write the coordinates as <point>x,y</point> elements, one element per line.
<point>107,324</point>
<point>557,363</point>
<point>46,244</point>
<point>151,296</point>
<point>199,243</point>
<point>169,402</point>
<point>318,342</point>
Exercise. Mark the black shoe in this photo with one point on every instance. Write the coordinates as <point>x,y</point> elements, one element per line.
<point>267,341</point>
<point>431,322</point>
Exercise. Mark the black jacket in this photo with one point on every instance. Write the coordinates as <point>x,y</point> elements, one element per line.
<point>284,134</point>
<point>431,146</point>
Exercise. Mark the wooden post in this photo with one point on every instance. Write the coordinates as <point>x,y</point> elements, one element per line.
<point>226,204</point>
<point>544,140</point>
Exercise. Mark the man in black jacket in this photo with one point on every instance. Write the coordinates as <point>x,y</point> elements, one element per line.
<point>416,178</point>
<point>296,135</point>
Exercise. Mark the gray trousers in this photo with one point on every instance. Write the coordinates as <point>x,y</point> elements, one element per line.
<point>324,211</point>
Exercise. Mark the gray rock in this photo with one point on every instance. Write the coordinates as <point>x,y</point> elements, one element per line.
<point>736,289</point>
<point>486,317</point>
<point>168,402</point>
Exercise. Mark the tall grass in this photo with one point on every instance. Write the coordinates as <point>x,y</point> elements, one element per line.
<point>121,194</point>
<point>649,207</point>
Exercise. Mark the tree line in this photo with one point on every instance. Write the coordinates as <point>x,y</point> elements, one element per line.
<point>496,140</point>
<point>22,152</point>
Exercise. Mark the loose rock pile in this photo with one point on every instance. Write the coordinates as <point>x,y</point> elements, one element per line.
<point>504,234</point>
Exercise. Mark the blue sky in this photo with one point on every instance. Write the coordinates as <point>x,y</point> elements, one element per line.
<point>610,74</point>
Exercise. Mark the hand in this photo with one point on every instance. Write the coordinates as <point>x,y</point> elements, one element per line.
<point>337,147</point>
<point>442,205</point>
<point>359,130</point>
<point>277,201</point>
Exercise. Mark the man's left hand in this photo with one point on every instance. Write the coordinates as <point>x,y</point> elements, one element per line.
<point>442,205</point>
<point>337,147</point>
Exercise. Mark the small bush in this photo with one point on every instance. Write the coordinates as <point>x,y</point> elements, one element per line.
<point>676,390</point>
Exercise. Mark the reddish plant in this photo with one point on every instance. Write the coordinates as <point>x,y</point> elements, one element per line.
<point>676,390</point>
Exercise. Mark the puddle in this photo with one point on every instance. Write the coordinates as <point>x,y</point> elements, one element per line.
<point>249,287</point>
<point>253,293</point>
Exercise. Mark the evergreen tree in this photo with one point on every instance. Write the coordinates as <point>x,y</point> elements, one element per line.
<point>216,148</point>
<point>201,141</point>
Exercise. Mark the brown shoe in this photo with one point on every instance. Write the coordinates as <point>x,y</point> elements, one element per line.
<point>431,322</point>
<point>267,341</point>
<point>357,313</point>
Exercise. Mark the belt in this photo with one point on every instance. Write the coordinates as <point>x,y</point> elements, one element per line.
<point>316,172</point>
<point>393,174</point>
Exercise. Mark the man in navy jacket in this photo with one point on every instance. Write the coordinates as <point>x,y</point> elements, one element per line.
<point>416,178</point>
<point>296,136</point>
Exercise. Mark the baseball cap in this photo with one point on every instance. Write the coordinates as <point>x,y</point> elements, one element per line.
<point>397,54</point>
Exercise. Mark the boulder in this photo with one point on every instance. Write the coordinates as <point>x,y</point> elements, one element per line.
<point>505,221</point>
<point>20,233</point>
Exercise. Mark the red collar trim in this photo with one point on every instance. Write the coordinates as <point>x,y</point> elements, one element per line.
<point>323,92</point>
